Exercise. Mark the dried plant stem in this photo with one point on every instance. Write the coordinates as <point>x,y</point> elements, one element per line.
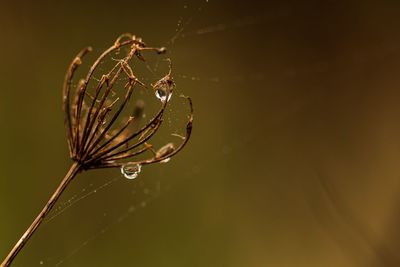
<point>95,144</point>
<point>39,219</point>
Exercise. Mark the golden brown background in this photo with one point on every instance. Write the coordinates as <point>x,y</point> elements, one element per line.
<point>294,159</point>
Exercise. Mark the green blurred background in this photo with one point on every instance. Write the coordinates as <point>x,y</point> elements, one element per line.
<point>294,158</point>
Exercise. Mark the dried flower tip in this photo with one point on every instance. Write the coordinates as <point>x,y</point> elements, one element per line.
<point>161,50</point>
<point>165,151</point>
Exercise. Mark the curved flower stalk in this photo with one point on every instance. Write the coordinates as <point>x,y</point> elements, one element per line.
<point>97,134</point>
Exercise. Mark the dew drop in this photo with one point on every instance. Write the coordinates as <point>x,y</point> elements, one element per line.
<point>131,170</point>
<point>161,93</point>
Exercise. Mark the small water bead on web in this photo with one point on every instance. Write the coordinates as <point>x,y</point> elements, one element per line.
<point>131,170</point>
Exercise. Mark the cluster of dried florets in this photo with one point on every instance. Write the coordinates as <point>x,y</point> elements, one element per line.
<point>97,137</point>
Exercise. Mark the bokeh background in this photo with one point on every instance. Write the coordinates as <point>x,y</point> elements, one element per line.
<point>294,158</point>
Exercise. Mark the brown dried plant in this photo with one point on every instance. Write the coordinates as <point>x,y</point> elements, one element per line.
<point>97,135</point>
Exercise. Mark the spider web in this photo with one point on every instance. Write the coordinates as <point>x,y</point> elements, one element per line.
<point>146,191</point>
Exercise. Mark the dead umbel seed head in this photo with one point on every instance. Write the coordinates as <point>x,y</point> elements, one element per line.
<point>97,136</point>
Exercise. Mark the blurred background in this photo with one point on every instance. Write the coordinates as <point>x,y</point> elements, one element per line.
<point>294,158</point>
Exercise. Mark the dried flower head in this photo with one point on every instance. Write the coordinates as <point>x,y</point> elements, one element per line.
<point>96,136</point>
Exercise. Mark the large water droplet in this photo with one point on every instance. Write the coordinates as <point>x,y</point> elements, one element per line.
<point>131,170</point>
<point>161,93</point>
